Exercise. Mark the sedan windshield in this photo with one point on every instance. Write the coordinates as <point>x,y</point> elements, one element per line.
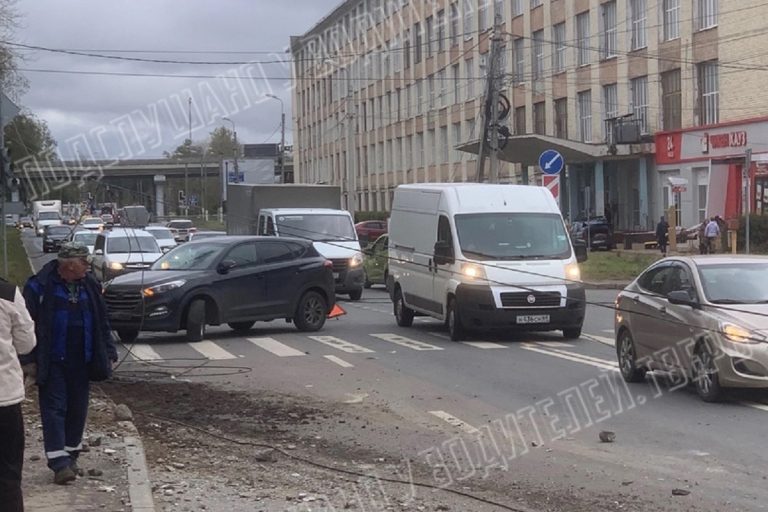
<point>737,283</point>
<point>59,231</point>
<point>512,236</point>
<point>162,234</point>
<point>189,257</point>
<point>124,244</point>
<point>318,228</point>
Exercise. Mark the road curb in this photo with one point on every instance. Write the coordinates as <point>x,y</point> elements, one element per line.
<point>139,486</point>
<point>605,286</point>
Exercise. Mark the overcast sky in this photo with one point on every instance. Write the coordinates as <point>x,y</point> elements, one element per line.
<point>140,117</point>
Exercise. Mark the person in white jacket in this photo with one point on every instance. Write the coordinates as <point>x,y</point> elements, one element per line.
<point>17,337</point>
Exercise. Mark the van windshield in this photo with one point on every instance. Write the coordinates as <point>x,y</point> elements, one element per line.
<point>512,236</point>
<point>319,228</point>
<point>48,216</point>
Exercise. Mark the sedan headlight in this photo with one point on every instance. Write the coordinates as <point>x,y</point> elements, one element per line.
<point>163,288</point>
<point>573,272</point>
<point>473,271</point>
<point>356,260</point>
<point>738,334</point>
<point>116,265</point>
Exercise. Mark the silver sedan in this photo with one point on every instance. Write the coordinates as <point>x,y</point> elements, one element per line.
<point>705,317</point>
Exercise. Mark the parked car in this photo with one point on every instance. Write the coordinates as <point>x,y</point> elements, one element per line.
<point>704,316</point>
<point>376,262</point>
<point>199,235</point>
<point>54,236</point>
<point>599,230</point>
<point>26,222</point>
<point>181,229</point>
<point>370,230</point>
<point>86,237</point>
<point>228,280</point>
<point>11,220</point>
<point>123,250</point>
<point>92,223</point>
<point>164,237</point>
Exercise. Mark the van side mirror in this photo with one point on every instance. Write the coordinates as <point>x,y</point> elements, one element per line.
<point>443,253</point>
<point>225,266</point>
<point>580,249</point>
<point>98,252</point>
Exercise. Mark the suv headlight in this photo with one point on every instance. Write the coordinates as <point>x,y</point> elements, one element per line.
<point>116,265</point>
<point>572,272</point>
<point>738,334</point>
<point>356,260</point>
<point>163,288</point>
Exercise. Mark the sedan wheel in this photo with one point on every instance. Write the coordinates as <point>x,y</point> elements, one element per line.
<point>705,375</point>
<point>627,356</point>
<point>311,312</point>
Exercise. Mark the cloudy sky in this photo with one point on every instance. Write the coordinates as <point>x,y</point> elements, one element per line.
<point>123,116</point>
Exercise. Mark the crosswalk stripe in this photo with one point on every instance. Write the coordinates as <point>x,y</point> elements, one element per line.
<point>144,352</point>
<point>603,366</point>
<point>341,344</point>
<point>483,344</point>
<point>274,346</point>
<point>588,358</point>
<point>455,422</point>
<point>756,405</point>
<point>554,344</point>
<point>406,342</point>
<point>339,361</point>
<point>211,350</point>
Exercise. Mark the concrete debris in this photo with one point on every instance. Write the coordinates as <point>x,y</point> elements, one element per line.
<point>606,436</point>
<point>95,441</point>
<point>680,492</point>
<point>95,472</point>
<point>267,455</point>
<point>123,413</point>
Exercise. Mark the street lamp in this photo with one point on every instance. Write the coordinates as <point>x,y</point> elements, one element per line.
<point>282,136</point>
<point>237,148</point>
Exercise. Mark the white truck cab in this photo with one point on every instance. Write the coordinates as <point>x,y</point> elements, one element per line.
<point>481,256</point>
<point>333,234</point>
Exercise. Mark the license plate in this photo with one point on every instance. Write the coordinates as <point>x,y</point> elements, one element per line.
<point>533,319</point>
<point>335,275</point>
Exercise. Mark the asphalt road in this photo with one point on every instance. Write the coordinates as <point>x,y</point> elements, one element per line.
<point>504,411</point>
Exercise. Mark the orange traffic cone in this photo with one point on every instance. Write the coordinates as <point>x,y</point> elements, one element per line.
<point>336,312</point>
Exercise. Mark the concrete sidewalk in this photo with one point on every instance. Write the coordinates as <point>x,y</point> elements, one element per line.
<point>115,471</point>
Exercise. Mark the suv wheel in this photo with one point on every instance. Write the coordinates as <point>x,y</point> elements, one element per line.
<point>127,336</point>
<point>356,294</point>
<point>453,321</point>
<point>241,327</point>
<point>403,314</point>
<point>196,320</point>
<point>311,312</point>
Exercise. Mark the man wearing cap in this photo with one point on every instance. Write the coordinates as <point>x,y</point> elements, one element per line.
<point>74,346</point>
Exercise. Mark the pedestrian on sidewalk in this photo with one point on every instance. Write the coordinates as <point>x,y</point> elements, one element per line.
<point>712,233</point>
<point>662,231</point>
<point>74,347</point>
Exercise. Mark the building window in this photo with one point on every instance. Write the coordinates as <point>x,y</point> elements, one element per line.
<point>671,13</point>
<point>469,70</point>
<point>536,3</point>
<point>561,118</point>
<point>519,72</point>
<point>456,83</point>
<point>540,118</point>
<point>498,8</point>
<point>417,43</point>
<point>468,19</point>
<point>638,93</point>
<point>430,35</point>
<point>482,16</point>
<point>431,91</point>
<point>537,54</point>
<point>441,31</point>
<point>706,14</point>
<point>671,100</point>
<point>608,41</point>
<point>454,28</point>
<point>457,141</point>
<point>444,144</point>
<point>637,17</point>
<point>585,116</point>
<point>558,52</point>
<point>442,84</point>
<point>419,96</point>
<point>419,150</point>
<point>582,38</point>
<point>709,93</point>
<point>702,204</point>
<point>610,109</point>
<point>407,48</point>
<point>408,100</point>
<point>517,7</point>
<point>520,121</point>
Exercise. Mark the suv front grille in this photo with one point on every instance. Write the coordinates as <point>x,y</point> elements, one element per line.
<point>340,265</point>
<point>522,300</point>
<point>122,301</point>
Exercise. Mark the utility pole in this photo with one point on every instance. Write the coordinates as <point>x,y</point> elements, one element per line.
<point>186,164</point>
<point>747,193</point>
<point>489,136</point>
<point>352,119</point>
<point>282,147</point>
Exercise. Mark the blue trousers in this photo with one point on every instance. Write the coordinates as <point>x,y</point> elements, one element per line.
<point>64,405</point>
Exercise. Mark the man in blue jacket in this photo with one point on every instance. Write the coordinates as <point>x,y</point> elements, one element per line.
<point>74,346</point>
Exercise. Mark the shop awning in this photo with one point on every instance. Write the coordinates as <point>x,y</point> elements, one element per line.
<point>526,149</point>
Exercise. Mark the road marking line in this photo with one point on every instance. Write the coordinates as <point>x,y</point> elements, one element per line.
<point>339,361</point>
<point>406,342</point>
<point>554,344</point>
<point>583,356</point>
<point>755,405</point>
<point>144,352</point>
<point>211,350</point>
<point>604,366</point>
<point>601,339</point>
<point>455,422</point>
<point>483,344</point>
<point>610,331</point>
<point>342,345</point>
<point>274,346</point>
<point>440,335</point>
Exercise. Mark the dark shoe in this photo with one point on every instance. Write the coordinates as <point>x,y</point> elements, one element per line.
<point>64,476</point>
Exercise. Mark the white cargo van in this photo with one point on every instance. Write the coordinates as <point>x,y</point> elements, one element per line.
<point>333,234</point>
<point>483,257</point>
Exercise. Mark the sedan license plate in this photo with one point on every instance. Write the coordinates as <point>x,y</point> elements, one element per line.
<point>533,319</point>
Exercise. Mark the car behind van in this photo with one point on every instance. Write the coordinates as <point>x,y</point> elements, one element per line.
<point>481,257</point>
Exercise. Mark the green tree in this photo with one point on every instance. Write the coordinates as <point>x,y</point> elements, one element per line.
<point>28,136</point>
<point>187,150</point>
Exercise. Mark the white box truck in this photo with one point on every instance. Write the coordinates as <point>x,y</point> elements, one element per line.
<point>480,257</point>
<point>46,213</point>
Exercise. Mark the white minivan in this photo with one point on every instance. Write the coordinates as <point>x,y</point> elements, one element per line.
<point>481,257</point>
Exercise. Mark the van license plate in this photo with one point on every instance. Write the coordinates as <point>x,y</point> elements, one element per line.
<point>533,319</point>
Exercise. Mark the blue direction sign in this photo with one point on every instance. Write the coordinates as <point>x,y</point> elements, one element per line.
<point>551,162</point>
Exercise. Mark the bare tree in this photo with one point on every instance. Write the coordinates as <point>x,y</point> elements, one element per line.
<point>12,82</point>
